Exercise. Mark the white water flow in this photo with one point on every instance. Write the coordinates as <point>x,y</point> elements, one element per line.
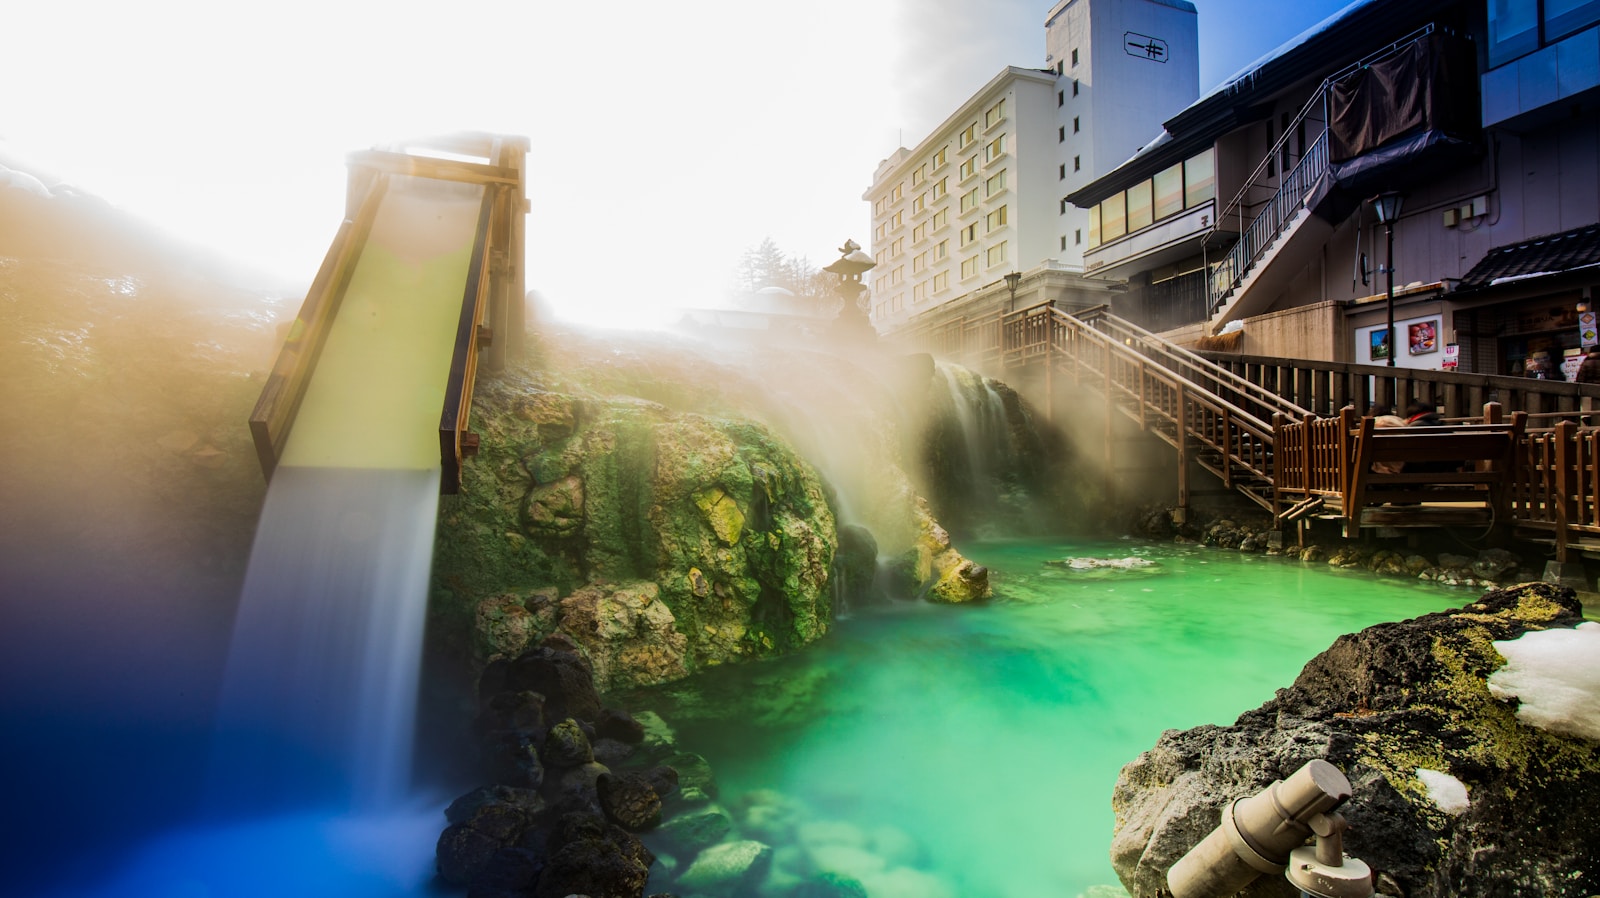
<point>982,416</point>
<point>318,707</point>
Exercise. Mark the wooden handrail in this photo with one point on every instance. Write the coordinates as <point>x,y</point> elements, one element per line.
<point>280,398</point>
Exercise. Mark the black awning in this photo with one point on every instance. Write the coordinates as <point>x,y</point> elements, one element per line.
<point>1541,256</point>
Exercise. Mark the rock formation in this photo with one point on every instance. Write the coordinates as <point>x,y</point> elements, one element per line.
<point>1455,794</point>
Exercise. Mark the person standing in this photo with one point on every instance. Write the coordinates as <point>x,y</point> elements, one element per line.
<point>1589,373</point>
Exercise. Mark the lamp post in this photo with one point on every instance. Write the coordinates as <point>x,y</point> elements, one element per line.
<point>1012,280</point>
<point>1387,205</point>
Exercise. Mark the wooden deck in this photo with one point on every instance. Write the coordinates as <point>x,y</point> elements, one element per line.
<point>1287,434</point>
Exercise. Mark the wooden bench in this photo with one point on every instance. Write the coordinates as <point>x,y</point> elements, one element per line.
<point>1483,459</point>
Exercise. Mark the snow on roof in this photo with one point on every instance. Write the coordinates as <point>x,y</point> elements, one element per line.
<point>1554,675</point>
<point>1229,85</point>
<point>1445,791</point>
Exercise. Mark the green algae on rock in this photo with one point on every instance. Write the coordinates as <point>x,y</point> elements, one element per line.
<point>1399,707</point>
<point>678,540</point>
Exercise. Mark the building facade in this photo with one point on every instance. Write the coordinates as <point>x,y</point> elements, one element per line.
<point>983,195</point>
<point>1494,156</point>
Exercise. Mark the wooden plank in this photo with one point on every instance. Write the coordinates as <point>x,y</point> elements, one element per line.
<point>431,167</point>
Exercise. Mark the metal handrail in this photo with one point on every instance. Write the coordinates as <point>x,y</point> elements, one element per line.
<point>1293,188</point>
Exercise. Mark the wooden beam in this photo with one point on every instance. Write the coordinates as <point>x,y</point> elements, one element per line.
<point>432,167</point>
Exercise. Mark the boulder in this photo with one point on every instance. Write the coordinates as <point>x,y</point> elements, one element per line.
<point>628,634</point>
<point>1454,794</point>
<point>729,868</point>
<point>629,800</point>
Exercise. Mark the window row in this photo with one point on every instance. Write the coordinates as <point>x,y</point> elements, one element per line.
<point>1185,185</point>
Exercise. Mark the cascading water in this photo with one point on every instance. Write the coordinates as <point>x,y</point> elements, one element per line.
<point>320,696</point>
<point>981,415</point>
<point>319,702</point>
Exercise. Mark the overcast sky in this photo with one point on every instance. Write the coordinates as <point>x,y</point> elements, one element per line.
<point>666,138</point>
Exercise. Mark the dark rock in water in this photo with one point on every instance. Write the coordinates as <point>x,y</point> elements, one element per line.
<point>830,885</point>
<point>856,566</point>
<point>1454,793</point>
<point>512,711</point>
<point>693,772</point>
<point>576,788</point>
<point>562,676</point>
<point>663,779</point>
<point>629,800</point>
<point>612,753</point>
<point>590,857</point>
<point>693,831</point>
<point>619,725</point>
<point>509,873</point>
<point>483,822</point>
<point>566,745</point>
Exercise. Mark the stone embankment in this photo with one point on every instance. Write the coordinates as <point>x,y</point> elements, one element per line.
<point>1463,784</point>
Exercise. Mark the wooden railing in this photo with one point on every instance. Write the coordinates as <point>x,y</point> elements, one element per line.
<point>1326,387</point>
<point>1255,423</point>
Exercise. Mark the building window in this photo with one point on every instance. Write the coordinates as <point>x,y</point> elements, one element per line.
<point>895,196</point>
<point>1074,87</point>
<point>940,157</point>
<point>968,136</point>
<point>919,292</point>
<point>1168,191</point>
<point>920,203</point>
<point>1061,98</point>
<point>1114,216</point>
<point>995,220</point>
<point>1077,236</point>
<point>1094,227</point>
<point>994,150</point>
<point>996,254</point>
<point>919,262</point>
<point>941,281</point>
<point>897,247</point>
<point>1063,175</point>
<point>1077,163</point>
<point>1139,206</point>
<point>969,201</point>
<point>941,218</point>
<point>883,230</point>
<point>995,184</point>
<point>919,174</point>
<point>919,233</point>
<point>1074,55</point>
<point>1076,126</point>
<point>1199,178</point>
<point>939,188</point>
<point>941,251</point>
<point>995,115</point>
<point>1063,241</point>
<point>878,207</point>
<point>1061,134</point>
<point>1063,205</point>
<point>897,276</point>
<point>969,168</point>
<point>896,220</point>
<point>969,268</point>
<point>969,233</point>
<point>1059,69</point>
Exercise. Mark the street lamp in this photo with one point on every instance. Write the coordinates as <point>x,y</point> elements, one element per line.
<point>1387,205</point>
<point>1012,280</point>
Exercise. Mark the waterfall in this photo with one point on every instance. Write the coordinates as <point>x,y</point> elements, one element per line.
<point>319,701</point>
<point>980,417</point>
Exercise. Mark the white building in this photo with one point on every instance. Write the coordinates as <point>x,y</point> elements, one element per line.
<point>984,194</point>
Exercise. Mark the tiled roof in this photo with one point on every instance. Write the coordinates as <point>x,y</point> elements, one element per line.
<point>1550,254</point>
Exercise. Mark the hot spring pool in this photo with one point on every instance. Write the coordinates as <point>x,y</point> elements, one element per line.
<point>971,751</point>
<point>928,750</point>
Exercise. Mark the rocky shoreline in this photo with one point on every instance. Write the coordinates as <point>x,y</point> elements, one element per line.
<point>1251,533</point>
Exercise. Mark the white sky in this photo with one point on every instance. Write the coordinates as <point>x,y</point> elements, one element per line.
<point>666,138</point>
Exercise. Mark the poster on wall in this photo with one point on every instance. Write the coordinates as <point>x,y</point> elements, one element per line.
<point>1424,336</point>
<point>1452,357</point>
<point>1379,343</point>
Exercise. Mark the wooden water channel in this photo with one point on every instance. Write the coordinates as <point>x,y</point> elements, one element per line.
<point>1514,457</point>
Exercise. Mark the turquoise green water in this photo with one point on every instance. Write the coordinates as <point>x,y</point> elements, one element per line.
<point>972,750</point>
